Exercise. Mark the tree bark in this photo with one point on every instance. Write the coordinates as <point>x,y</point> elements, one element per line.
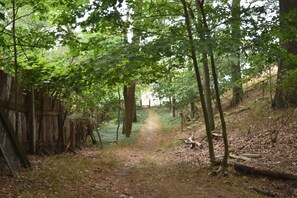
<point>285,96</point>
<point>193,109</point>
<point>173,106</point>
<point>199,83</point>
<point>119,115</point>
<point>129,100</point>
<point>237,91</point>
<point>208,92</point>
<point>216,87</point>
<point>206,74</point>
<point>16,67</point>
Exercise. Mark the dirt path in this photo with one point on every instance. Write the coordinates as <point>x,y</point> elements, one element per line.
<point>150,132</point>
<point>145,169</point>
<point>147,147</point>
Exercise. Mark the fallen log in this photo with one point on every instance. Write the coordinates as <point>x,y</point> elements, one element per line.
<point>263,192</point>
<point>238,111</point>
<point>247,169</point>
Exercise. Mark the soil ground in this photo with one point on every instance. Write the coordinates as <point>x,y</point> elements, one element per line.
<point>143,169</point>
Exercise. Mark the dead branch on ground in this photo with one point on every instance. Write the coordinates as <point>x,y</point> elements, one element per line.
<point>191,140</point>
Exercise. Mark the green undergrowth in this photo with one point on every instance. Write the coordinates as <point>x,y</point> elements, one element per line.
<point>170,125</point>
<point>108,129</point>
<point>167,121</point>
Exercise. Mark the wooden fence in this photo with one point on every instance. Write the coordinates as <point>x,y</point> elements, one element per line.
<point>43,124</point>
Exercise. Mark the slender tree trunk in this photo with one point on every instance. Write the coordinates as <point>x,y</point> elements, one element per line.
<point>207,92</point>
<point>99,136</point>
<point>125,110</point>
<point>237,91</point>
<point>119,115</point>
<point>199,83</point>
<point>286,95</point>
<point>216,86</point>
<point>173,107</point>
<point>206,76</point>
<point>16,67</point>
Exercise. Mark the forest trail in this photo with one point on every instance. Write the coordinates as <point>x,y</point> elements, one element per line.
<point>148,169</point>
<point>149,132</point>
<point>147,147</point>
<point>144,169</point>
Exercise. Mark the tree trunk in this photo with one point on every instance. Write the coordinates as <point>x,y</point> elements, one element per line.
<point>16,67</point>
<point>237,91</point>
<point>206,75</point>
<point>199,84</point>
<point>173,107</point>
<point>286,95</point>
<point>207,92</point>
<point>119,115</point>
<point>193,109</point>
<point>129,101</point>
<point>216,87</point>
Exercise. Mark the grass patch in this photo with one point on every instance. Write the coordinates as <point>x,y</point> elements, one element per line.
<point>108,130</point>
<point>171,144</point>
<point>168,122</point>
<point>169,126</point>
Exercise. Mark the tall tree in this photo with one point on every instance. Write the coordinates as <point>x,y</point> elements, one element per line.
<point>237,91</point>
<point>206,73</point>
<point>16,67</point>
<point>200,5</point>
<point>286,93</point>
<point>199,82</point>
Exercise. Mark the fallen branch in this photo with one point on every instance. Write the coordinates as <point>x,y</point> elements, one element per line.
<point>238,111</point>
<point>216,135</point>
<point>192,142</point>
<point>263,192</point>
<point>240,157</point>
<point>251,155</point>
<point>247,169</point>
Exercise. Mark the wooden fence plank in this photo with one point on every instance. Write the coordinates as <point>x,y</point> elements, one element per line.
<point>6,124</point>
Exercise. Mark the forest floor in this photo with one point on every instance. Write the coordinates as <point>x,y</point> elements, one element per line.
<point>154,166</point>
